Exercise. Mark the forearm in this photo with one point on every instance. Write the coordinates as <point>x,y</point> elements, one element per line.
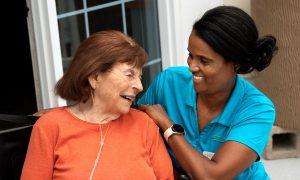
<point>193,162</point>
<point>228,162</point>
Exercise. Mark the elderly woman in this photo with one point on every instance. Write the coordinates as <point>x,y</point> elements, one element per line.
<point>100,136</point>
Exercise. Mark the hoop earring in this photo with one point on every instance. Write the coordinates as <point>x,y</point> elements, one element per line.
<point>92,95</point>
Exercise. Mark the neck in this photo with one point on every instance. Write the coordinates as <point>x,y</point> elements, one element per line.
<point>216,100</point>
<point>91,113</point>
<point>212,102</point>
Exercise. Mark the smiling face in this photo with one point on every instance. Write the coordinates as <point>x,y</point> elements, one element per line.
<point>211,73</point>
<point>116,89</point>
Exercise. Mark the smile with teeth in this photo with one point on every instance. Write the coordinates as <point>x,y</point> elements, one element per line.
<point>197,77</point>
<point>129,98</point>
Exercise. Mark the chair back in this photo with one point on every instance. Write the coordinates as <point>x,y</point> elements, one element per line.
<point>15,133</point>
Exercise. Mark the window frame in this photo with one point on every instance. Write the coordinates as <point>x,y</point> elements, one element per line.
<point>175,21</point>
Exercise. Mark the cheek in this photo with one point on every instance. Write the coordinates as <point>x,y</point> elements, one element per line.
<point>118,88</point>
<point>215,77</point>
<point>123,85</point>
<point>224,78</point>
<point>119,84</point>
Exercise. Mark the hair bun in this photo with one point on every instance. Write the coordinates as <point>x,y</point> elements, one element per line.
<point>264,51</point>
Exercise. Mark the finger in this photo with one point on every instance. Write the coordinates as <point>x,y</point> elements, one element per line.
<point>142,107</point>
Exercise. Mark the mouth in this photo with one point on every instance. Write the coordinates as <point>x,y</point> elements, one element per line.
<point>197,77</point>
<point>128,98</point>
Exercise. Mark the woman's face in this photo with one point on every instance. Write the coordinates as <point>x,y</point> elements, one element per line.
<point>211,74</point>
<point>116,89</point>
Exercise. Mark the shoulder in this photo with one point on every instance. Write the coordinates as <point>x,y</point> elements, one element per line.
<point>137,115</point>
<point>172,76</point>
<point>48,126</point>
<point>51,118</point>
<point>252,95</point>
<point>177,71</point>
<point>139,118</point>
<point>252,104</point>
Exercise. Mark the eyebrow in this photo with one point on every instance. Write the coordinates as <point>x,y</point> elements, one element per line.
<point>132,71</point>
<point>200,56</point>
<point>128,70</point>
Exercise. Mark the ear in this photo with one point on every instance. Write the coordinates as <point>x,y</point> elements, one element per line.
<point>93,81</point>
<point>236,67</point>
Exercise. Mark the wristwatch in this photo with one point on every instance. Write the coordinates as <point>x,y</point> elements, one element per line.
<point>174,129</point>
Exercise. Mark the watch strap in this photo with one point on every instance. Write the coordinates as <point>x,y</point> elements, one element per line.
<point>169,132</point>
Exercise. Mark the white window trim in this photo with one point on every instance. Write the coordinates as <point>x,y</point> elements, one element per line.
<point>168,40</point>
<point>45,49</point>
<point>176,18</point>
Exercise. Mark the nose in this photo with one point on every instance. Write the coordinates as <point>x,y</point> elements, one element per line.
<point>137,84</point>
<point>193,65</point>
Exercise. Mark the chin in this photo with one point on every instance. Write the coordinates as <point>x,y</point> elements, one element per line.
<point>124,110</point>
<point>197,89</point>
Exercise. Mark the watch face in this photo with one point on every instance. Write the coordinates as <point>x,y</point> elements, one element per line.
<point>177,128</point>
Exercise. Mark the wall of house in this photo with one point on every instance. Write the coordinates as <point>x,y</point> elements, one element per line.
<point>243,4</point>
<point>280,81</point>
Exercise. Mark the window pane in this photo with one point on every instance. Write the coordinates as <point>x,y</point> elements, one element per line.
<point>142,24</point>
<point>71,32</point>
<point>68,6</point>
<point>105,19</point>
<point>98,2</point>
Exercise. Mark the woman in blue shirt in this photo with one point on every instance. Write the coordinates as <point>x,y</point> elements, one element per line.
<point>227,121</point>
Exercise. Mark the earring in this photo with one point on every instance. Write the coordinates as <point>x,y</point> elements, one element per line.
<point>92,95</point>
<point>236,67</point>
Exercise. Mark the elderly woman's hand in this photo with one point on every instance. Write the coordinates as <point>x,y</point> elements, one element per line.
<point>158,114</point>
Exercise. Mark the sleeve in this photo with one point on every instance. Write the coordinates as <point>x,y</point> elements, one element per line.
<point>39,158</point>
<point>254,127</point>
<point>159,157</point>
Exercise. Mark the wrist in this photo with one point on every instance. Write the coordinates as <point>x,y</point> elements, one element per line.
<point>174,129</point>
<point>164,125</point>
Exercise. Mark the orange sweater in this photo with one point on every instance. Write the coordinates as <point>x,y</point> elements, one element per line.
<point>64,147</point>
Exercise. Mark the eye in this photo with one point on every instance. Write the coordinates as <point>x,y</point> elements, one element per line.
<point>140,77</point>
<point>190,55</point>
<point>204,60</point>
<point>129,76</point>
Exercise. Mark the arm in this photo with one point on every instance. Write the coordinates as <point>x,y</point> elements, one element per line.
<point>159,157</point>
<point>39,158</point>
<point>229,161</point>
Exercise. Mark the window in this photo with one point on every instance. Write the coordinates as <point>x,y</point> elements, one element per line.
<point>77,19</point>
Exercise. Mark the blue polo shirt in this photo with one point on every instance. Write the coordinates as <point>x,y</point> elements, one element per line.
<point>247,118</point>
